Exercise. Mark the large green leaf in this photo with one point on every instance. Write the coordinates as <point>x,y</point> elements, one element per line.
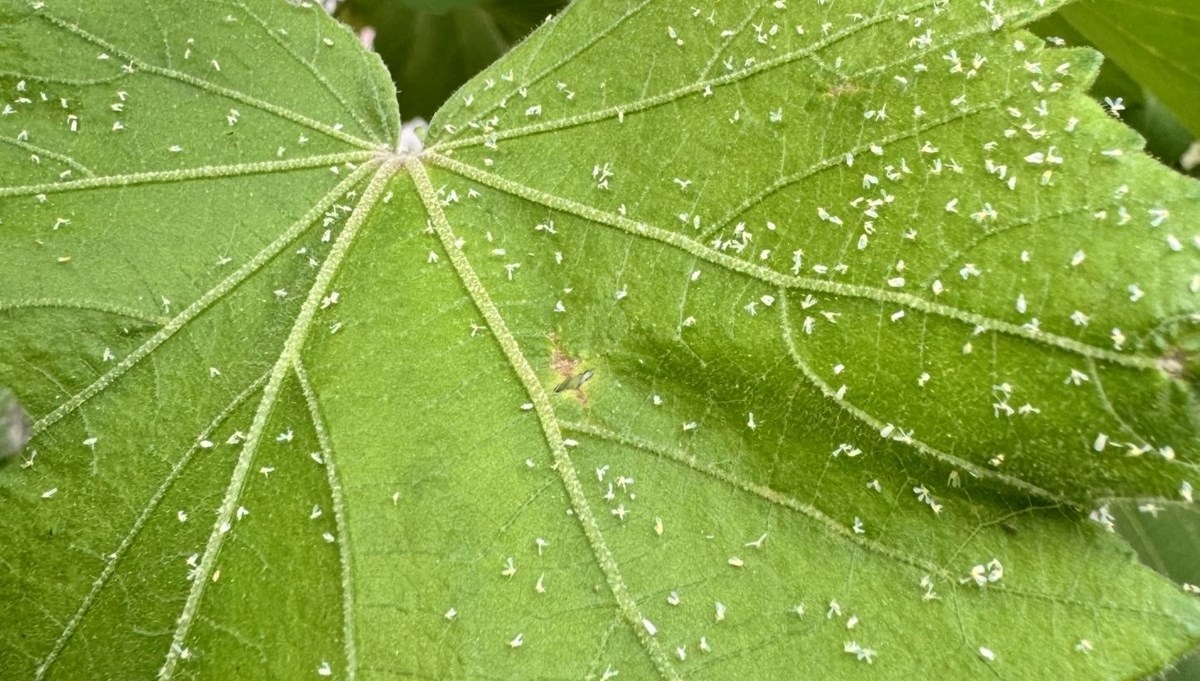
<point>773,340</point>
<point>1155,42</point>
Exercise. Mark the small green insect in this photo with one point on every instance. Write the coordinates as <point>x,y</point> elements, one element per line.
<point>574,382</point>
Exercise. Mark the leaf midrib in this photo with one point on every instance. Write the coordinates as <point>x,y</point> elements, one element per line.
<point>284,364</point>
<point>606,561</point>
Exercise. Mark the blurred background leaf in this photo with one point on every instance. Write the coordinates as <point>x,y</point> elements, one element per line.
<point>1157,42</point>
<point>1152,63</point>
<point>1167,540</point>
<point>434,46</point>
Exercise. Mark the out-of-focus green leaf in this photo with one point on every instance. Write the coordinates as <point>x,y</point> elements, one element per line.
<point>433,46</point>
<point>1167,538</point>
<point>431,6</point>
<point>1166,137</point>
<point>1157,42</point>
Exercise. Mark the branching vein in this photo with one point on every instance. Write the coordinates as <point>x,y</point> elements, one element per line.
<point>205,301</point>
<point>283,366</point>
<point>785,281</point>
<point>139,65</point>
<point>626,604</point>
<point>185,174</point>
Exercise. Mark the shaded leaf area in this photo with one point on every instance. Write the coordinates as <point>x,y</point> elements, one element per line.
<point>432,48</point>
<point>1156,43</point>
<point>878,308</point>
<point>1166,539</point>
<point>1167,138</point>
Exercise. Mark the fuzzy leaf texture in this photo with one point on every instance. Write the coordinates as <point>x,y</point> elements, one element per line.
<point>755,340</point>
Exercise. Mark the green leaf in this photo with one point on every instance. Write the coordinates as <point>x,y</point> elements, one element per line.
<point>1168,540</point>
<point>1154,42</point>
<point>1166,137</point>
<point>877,307</point>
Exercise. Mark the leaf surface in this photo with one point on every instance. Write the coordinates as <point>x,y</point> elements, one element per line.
<point>1167,139</point>
<point>695,344</point>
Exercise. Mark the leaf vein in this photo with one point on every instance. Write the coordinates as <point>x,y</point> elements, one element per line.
<point>765,492</point>
<point>185,174</point>
<point>781,280</point>
<point>199,83</point>
<point>283,365</point>
<point>832,161</point>
<point>42,151</point>
<point>316,74</point>
<point>626,604</point>
<point>88,305</point>
<point>201,304</point>
<point>338,501</point>
<point>585,46</point>
<point>877,425</point>
<point>110,566</point>
<point>654,101</point>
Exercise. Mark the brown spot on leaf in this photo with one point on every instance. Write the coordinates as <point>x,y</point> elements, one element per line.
<point>1174,363</point>
<point>843,88</point>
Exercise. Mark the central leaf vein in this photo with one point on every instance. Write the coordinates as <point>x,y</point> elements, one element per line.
<point>607,562</point>
<point>283,366</point>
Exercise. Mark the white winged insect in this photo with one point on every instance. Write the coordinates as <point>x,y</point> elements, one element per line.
<point>15,428</point>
